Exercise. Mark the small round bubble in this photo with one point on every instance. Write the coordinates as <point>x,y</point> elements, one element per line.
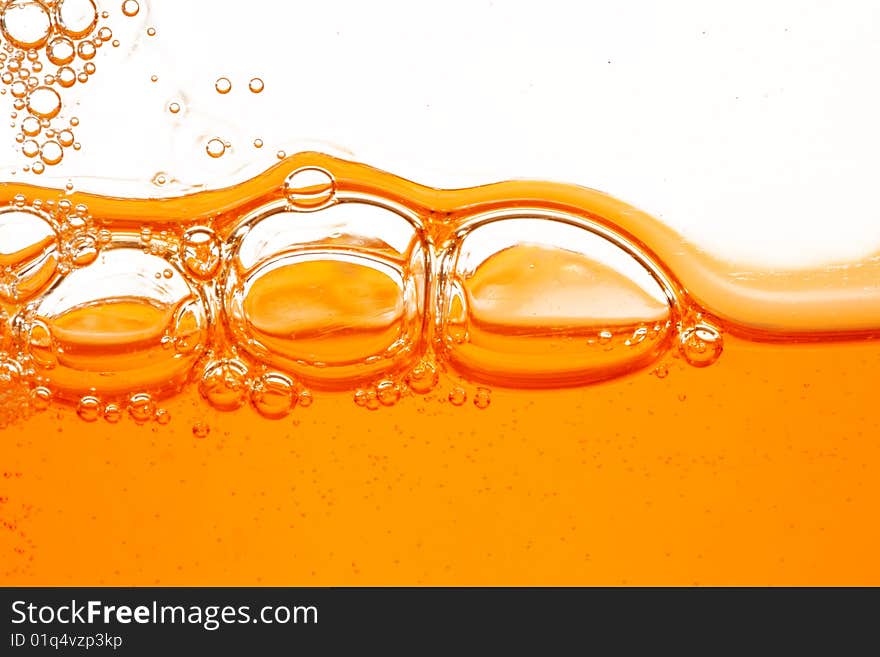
<point>215,147</point>
<point>60,50</point>
<point>51,152</point>
<point>224,384</point>
<point>701,344</point>
<point>223,85</point>
<point>141,408</point>
<point>387,392</point>
<point>76,18</point>
<point>423,378</point>
<point>661,371</point>
<point>457,396</point>
<point>130,8</point>
<point>371,400</point>
<point>86,50</point>
<point>41,397</point>
<point>112,413</point>
<point>89,408</point>
<point>31,126</point>
<point>44,102</point>
<point>482,398</point>
<point>66,76</point>
<point>273,395</point>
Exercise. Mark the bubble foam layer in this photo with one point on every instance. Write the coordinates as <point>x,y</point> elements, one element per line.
<point>325,274</point>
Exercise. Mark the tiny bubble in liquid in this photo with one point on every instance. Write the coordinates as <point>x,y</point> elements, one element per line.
<point>40,398</point>
<point>112,413</point>
<point>215,147</point>
<point>223,85</point>
<point>482,398</point>
<point>88,408</point>
<point>387,392</point>
<point>457,396</point>
<point>201,430</point>
<point>130,8</point>
<point>256,85</point>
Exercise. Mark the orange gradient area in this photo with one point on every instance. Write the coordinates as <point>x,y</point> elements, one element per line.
<point>762,469</point>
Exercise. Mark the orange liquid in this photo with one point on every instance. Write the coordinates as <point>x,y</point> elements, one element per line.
<point>484,412</point>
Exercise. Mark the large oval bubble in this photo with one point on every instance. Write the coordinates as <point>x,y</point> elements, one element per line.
<point>129,322</point>
<point>333,296</point>
<point>531,301</point>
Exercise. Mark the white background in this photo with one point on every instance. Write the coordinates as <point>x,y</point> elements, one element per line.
<point>751,127</point>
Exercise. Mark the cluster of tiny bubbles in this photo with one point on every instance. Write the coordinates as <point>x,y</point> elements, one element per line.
<point>309,188</point>
<point>14,392</point>
<point>161,244</point>
<point>700,343</point>
<point>661,371</point>
<point>423,378</point>
<point>367,398</point>
<point>58,39</point>
<point>90,408</point>
<point>386,392</point>
<point>482,398</point>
